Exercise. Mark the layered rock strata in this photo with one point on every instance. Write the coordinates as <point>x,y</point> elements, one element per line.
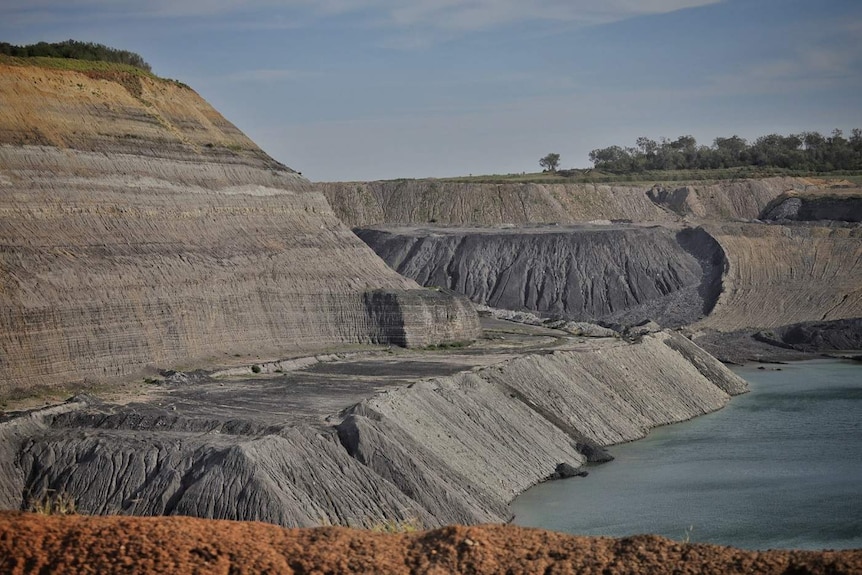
<point>417,202</point>
<point>140,229</point>
<point>785,274</point>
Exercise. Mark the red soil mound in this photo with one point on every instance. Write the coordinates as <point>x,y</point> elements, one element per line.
<point>79,544</point>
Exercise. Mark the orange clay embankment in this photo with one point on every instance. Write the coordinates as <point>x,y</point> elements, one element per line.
<point>79,544</point>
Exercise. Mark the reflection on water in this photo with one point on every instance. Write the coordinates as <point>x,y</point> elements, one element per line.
<point>780,467</point>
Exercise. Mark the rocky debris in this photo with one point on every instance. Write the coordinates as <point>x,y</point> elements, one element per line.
<point>786,208</point>
<point>623,274</point>
<point>172,377</point>
<point>785,343</point>
<point>583,329</point>
<point>592,451</point>
<point>80,544</point>
<point>839,335</point>
<point>566,471</point>
<point>580,328</point>
<point>638,330</point>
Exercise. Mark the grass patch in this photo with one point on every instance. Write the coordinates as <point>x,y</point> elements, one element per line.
<point>411,525</point>
<point>52,502</point>
<point>93,68</point>
<point>449,345</point>
<point>589,176</point>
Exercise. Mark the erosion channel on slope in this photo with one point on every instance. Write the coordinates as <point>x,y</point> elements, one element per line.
<point>433,436</point>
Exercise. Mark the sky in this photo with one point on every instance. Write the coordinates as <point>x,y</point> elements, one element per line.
<point>345,90</point>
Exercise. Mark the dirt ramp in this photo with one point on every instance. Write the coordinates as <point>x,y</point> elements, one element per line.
<point>79,544</point>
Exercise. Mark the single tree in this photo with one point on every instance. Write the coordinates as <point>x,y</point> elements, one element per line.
<point>550,162</point>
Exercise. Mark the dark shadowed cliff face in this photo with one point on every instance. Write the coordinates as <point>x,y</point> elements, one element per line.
<point>140,229</point>
<point>620,273</point>
<point>725,277</point>
<point>843,205</point>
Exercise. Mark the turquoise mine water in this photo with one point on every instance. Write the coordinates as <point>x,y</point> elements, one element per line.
<point>780,467</point>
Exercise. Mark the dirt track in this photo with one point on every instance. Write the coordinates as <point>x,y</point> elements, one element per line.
<point>79,544</point>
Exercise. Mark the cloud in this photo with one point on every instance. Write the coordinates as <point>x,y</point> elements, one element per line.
<point>441,15</point>
<point>815,68</point>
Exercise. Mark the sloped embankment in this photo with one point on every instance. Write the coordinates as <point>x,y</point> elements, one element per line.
<point>30,543</point>
<point>448,449</point>
<point>622,273</point>
<point>779,275</point>
<point>417,202</point>
<point>140,229</point>
<point>726,200</point>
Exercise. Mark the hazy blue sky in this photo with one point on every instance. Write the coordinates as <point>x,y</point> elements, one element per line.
<point>368,89</point>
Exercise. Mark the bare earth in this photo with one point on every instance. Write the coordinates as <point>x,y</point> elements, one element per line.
<point>31,543</point>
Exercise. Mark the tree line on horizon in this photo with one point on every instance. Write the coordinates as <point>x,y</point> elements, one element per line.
<point>76,50</point>
<point>807,151</point>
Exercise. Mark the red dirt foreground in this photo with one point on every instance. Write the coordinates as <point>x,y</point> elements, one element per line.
<point>32,543</point>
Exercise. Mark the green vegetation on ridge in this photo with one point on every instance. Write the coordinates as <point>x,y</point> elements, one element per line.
<point>807,151</point>
<point>593,176</point>
<point>75,50</point>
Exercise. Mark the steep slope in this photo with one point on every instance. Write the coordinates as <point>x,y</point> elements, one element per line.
<point>620,273</point>
<point>139,228</point>
<point>727,200</point>
<point>299,449</point>
<point>842,204</point>
<point>778,275</point>
<point>402,202</point>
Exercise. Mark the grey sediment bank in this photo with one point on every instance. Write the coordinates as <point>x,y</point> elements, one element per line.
<point>333,444</point>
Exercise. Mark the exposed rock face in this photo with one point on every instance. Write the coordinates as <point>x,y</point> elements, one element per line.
<point>730,200</point>
<point>402,202</point>
<point>297,451</point>
<point>140,228</point>
<point>835,205</point>
<point>621,273</point>
<point>726,277</point>
<point>780,275</point>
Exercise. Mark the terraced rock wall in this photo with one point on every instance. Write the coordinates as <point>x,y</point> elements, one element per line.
<point>140,229</point>
<point>417,202</point>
